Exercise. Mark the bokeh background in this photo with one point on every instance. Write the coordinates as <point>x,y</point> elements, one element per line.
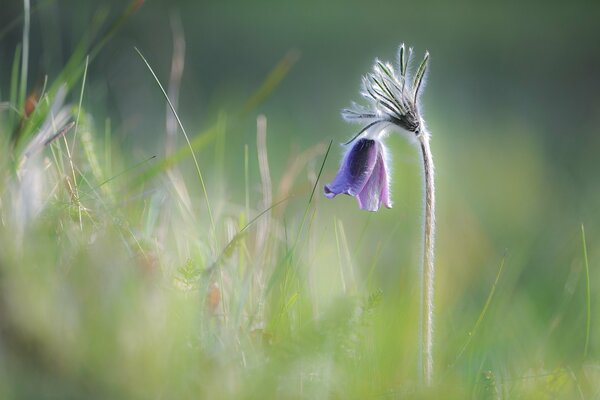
<point>512,101</point>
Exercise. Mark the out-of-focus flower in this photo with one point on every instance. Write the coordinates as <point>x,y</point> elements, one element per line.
<point>363,174</point>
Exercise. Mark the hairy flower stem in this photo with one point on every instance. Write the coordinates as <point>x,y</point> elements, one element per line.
<point>427,269</point>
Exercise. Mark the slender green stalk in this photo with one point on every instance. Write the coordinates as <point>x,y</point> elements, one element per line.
<point>187,139</point>
<point>482,314</point>
<point>587,293</point>
<point>428,268</point>
<point>25,53</point>
<point>85,69</point>
<point>13,93</point>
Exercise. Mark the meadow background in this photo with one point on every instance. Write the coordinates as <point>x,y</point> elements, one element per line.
<point>119,280</point>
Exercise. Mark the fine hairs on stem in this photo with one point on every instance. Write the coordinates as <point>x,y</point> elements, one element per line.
<point>393,97</point>
<point>428,268</point>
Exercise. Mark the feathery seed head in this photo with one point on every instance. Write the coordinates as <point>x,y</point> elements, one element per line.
<point>393,97</point>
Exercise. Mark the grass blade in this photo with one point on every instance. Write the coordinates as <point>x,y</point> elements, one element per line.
<point>12,96</point>
<point>203,139</point>
<point>73,70</point>
<point>273,79</point>
<point>228,249</point>
<point>482,313</point>
<point>277,273</point>
<point>312,194</point>
<point>187,139</point>
<point>85,69</point>
<point>588,319</point>
<point>25,53</point>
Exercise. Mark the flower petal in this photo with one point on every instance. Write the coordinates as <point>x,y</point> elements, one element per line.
<point>376,190</point>
<point>357,166</point>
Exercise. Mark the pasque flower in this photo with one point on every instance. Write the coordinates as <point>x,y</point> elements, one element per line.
<point>393,102</point>
<point>363,174</point>
<point>393,98</point>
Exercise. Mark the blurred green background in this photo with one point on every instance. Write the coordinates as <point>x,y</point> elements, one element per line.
<point>512,101</point>
<point>511,98</point>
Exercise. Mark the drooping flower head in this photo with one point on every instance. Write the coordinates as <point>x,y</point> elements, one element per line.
<point>393,102</point>
<point>363,174</point>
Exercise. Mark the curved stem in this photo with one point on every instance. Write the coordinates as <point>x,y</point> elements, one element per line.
<point>428,269</point>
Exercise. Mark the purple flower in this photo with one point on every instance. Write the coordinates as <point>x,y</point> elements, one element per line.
<point>393,104</point>
<point>363,174</point>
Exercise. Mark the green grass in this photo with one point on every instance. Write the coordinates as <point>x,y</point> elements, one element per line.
<point>128,276</point>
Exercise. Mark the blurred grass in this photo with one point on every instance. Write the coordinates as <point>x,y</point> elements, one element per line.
<point>110,287</point>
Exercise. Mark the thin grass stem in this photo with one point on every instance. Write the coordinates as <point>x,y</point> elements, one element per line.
<point>87,61</point>
<point>187,139</point>
<point>588,319</point>
<point>25,53</point>
<point>482,314</point>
